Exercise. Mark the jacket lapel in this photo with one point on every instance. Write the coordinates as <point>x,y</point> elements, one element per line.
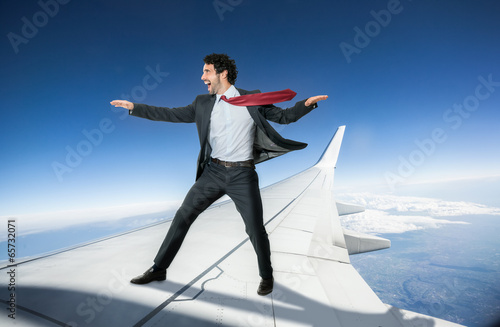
<point>205,115</point>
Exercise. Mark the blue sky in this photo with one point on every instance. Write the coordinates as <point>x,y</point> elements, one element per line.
<point>414,63</point>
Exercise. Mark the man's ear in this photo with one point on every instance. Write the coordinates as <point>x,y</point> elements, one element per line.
<point>223,75</point>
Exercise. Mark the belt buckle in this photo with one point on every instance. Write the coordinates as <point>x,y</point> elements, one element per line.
<point>227,164</point>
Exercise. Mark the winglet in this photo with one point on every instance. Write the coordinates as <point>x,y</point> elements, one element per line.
<point>329,157</point>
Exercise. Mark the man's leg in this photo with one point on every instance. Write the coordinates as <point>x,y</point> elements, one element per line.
<point>243,188</point>
<point>207,189</point>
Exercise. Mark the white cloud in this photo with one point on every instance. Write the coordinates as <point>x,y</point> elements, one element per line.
<point>380,222</point>
<point>429,206</point>
<point>387,213</point>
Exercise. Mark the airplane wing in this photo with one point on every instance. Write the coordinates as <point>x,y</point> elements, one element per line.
<point>214,278</point>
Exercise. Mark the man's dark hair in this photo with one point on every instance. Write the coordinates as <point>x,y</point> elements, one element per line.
<point>221,63</point>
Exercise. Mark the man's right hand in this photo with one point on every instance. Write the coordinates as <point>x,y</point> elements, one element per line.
<point>123,103</point>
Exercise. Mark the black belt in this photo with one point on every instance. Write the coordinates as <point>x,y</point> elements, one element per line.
<point>248,163</point>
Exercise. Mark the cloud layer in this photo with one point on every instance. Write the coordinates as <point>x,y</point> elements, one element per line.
<point>384,213</point>
<point>37,223</point>
<point>387,213</point>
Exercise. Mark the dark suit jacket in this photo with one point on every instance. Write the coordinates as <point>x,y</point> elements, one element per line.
<point>268,143</point>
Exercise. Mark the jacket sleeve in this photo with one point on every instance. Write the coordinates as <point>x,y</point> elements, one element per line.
<point>173,115</point>
<point>286,116</point>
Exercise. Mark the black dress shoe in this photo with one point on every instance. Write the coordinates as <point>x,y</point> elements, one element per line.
<point>149,276</point>
<point>265,286</point>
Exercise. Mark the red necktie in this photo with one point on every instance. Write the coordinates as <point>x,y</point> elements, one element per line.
<point>260,99</point>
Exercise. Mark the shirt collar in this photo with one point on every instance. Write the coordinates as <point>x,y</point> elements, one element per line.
<point>230,93</point>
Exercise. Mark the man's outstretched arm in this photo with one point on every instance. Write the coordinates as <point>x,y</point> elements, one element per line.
<point>292,114</point>
<point>174,115</point>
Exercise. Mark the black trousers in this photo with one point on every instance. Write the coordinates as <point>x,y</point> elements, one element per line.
<point>241,184</point>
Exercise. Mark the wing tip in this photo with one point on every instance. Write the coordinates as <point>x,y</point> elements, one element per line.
<point>329,157</point>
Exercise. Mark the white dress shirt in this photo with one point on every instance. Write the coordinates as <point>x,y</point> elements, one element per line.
<point>232,130</point>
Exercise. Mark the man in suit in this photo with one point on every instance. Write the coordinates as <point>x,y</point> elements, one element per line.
<point>232,140</point>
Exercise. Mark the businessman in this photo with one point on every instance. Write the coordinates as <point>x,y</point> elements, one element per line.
<point>234,135</point>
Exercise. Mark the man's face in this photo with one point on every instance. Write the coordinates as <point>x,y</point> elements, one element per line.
<point>211,79</point>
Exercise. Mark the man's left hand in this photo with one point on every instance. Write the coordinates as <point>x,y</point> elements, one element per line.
<point>313,100</point>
